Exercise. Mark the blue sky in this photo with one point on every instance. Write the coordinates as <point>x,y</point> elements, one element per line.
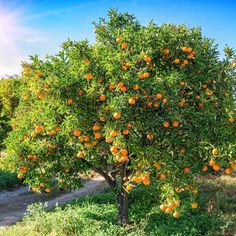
<point>29,27</point>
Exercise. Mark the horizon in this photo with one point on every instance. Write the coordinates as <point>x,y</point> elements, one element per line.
<point>31,27</point>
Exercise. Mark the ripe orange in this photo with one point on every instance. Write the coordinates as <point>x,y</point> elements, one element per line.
<point>163,207</point>
<point>69,101</point>
<point>124,45</point>
<point>126,132</point>
<point>176,214</point>
<point>147,59</point>
<point>117,115</point>
<point>189,50</point>
<point>132,101</point>
<point>211,163</point>
<point>114,150</point>
<point>118,40</point>
<point>20,176</point>
<point>124,152</point>
<point>145,75</point>
<point>97,135</point>
<point>175,124</point>
<point>165,100</point>
<point>186,170</point>
<point>41,185</point>
<point>176,61</point>
<point>123,89</point>
<point>159,96</point>
<point>166,124</point>
<point>80,155</point>
<point>185,62</point>
<point>231,120</point>
<point>233,166</point>
<point>228,171</point>
<point>166,51</point>
<point>194,205</point>
<point>163,176</point>
<point>204,168</point>
<point>216,167</point>
<point>102,118</point>
<point>96,127</point>
<point>181,83</point>
<point>113,133</point>
<point>168,210</point>
<point>135,87</point>
<point>129,187</point>
<point>102,98</point>
<point>47,190</point>
<point>150,136</point>
<point>215,151</point>
<point>77,133</point>
<point>112,86</point>
<point>89,76</point>
<point>184,49</point>
<point>157,165</point>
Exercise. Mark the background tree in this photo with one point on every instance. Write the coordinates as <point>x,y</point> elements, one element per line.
<point>142,105</point>
<point>8,102</point>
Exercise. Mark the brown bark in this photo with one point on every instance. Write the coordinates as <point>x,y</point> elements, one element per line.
<point>122,199</point>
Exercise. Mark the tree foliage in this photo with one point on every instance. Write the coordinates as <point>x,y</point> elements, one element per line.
<point>142,105</point>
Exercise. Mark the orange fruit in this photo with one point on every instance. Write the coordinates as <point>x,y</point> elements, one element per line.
<point>168,210</point>
<point>80,155</point>
<point>228,171</point>
<point>69,101</point>
<point>166,51</point>
<point>124,152</point>
<point>77,133</point>
<point>231,120</point>
<point>147,59</point>
<point>194,205</point>
<point>123,89</point>
<point>102,119</point>
<point>204,86</point>
<point>145,75</point>
<point>150,136</point>
<point>102,98</point>
<point>163,176</point>
<point>189,50</point>
<point>121,85</point>
<point>118,40</point>
<point>112,86</point>
<point>165,100</point>
<point>176,61</point>
<point>166,124</point>
<point>124,45</point>
<point>181,83</point>
<point>184,49</point>
<point>117,115</point>
<point>129,187</point>
<point>41,185</point>
<point>97,135</point>
<point>157,165</point>
<point>163,207</point>
<point>89,76</point>
<point>126,132</point>
<point>204,168</point>
<point>176,214</point>
<point>47,190</point>
<point>186,170</point>
<point>185,62</point>
<point>113,133</point>
<point>135,87</point>
<point>159,96</point>
<point>96,127</point>
<point>233,166</point>
<point>216,167</point>
<point>132,101</point>
<point>175,124</point>
<point>114,150</point>
<point>215,151</point>
<point>20,176</point>
<point>211,163</point>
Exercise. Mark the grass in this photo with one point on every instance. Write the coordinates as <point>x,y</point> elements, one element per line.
<point>8,180</point>
<point>96,215</point>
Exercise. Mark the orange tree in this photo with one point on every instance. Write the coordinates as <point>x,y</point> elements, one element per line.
<point>142,105</point>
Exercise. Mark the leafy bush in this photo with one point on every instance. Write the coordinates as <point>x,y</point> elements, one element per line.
<point>8,180</point>
<point>143,104</point>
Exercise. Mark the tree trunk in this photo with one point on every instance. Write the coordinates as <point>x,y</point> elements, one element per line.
<point>122,198</point>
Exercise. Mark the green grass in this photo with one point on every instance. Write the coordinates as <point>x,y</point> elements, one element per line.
<point>96,215</point>
<point>8,180</point>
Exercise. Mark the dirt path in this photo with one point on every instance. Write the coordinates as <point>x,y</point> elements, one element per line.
<point>13,204</point>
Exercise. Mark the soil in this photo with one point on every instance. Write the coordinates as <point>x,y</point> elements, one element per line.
<point>13,204</point>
